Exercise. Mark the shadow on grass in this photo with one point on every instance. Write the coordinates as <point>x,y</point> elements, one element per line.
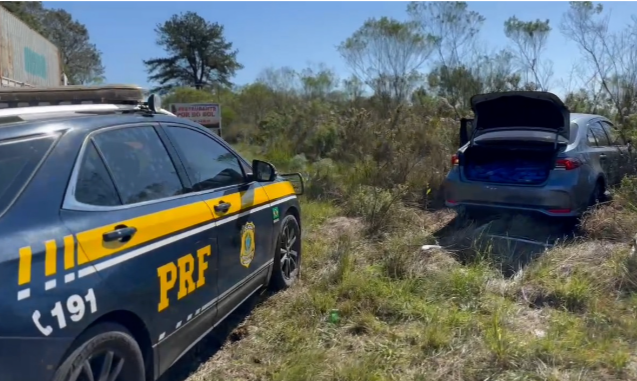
<point>226,331</point>
<point>509,241</point>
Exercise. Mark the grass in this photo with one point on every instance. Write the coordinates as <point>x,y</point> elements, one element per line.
<point>480,311</point>
<point>408,315</point>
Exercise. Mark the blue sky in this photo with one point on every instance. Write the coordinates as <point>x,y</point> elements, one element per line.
<point>294,34</point>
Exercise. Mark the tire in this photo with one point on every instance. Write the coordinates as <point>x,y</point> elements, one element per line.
<point>93,350</point>
<point>287,266</point>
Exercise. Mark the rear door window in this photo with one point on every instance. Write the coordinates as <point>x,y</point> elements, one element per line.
<point>600,135</point>
<point>140,165</point>
<point>94,183</point>
<point>613,135</point>
<point>19,159</point>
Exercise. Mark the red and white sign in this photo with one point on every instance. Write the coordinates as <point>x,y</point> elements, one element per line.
<point>206,114</point>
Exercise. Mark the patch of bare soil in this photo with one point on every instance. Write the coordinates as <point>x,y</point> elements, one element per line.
<point>339,226</point>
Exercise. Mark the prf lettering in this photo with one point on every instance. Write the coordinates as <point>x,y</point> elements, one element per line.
<point>183,271</point>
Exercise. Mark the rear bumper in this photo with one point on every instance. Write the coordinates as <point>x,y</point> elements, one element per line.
<point>31,359</point>
<point>551,201</point>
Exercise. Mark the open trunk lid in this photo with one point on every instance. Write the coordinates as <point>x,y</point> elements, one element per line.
<point>520,111</point>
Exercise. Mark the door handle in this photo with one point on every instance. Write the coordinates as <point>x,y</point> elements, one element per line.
<point>121,233</point>
<point>222,207</point>
<point>602,156</point>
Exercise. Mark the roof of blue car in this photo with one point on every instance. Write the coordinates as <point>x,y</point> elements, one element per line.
<point>577,117</point>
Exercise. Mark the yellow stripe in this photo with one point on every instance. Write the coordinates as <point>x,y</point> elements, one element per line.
<point>24,269</point>
<point>280,189</point>
<point>50,259</point>
<point>81,255</point>
<point>157,225</point>
<point>69,252</point>
<point>149,227</point>
<point>239,201</point>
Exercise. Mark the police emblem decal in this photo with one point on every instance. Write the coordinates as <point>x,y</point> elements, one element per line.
<point>247,244</point>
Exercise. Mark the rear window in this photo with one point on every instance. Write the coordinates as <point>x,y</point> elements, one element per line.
<point>18,161</point>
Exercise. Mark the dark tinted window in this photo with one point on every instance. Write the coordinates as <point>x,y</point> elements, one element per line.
<point>600,135</point>
<point>209,163</point>
<point>613,134</point>
<point>139,163</point>
<point>94,184</point>
<point>18,160</point>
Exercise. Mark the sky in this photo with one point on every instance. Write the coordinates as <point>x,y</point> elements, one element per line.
<point>296,34</point>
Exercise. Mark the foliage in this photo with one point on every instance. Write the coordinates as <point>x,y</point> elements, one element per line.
<point>30,12</point>
<point>378,158</point>
<point>386,54</point>
<point>198,54</point>
<point>529,39</point>
<point>81,59</point>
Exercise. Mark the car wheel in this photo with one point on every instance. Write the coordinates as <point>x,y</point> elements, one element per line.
<point>287,258</point>
<point>105,352</point>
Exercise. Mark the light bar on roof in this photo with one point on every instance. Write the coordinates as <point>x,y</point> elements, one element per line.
<point>13,97</point>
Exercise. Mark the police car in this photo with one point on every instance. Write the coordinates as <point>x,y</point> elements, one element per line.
<point>127,234</point>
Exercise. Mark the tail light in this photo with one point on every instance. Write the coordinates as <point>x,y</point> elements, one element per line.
<point>455,160</point>
<point>568,163</point>
<point>559,211</point>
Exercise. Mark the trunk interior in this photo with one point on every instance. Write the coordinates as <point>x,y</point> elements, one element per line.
<point>527,163</point>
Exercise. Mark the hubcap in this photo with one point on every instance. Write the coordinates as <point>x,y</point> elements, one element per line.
<point>289,248</point>
<point>103,367</point>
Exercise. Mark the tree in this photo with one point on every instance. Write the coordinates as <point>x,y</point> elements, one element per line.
<point>386,54</point>
<point>529,39</point>
<point>255,100</point>
<point>198,54</point>
<point>450,25</point>
<point>81,60</point>
<point>453,29</point>
<point>318,83</point>
<point>608,55</point>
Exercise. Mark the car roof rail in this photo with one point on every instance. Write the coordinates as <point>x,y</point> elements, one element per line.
<point>16,101</point>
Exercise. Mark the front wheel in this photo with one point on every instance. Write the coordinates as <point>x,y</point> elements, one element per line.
<point>287,258</point>
<point>105,352</point>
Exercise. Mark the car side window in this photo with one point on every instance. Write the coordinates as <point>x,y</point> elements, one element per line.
<point>613,135</point>
<point>139,163</point>
<point>209,163</point>
<point>94,184</point>
<point>592,142</point>
<point>600,135</point>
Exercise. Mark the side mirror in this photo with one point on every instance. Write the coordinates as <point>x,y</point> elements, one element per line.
<point>464,130</point>
<point>263,171</point>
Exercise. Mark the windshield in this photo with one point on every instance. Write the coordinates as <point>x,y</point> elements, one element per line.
<point>18,161</point>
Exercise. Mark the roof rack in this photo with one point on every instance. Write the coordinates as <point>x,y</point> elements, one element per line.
<point>21,101</point>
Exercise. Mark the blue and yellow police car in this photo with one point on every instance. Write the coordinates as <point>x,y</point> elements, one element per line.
<point>127,234</point>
